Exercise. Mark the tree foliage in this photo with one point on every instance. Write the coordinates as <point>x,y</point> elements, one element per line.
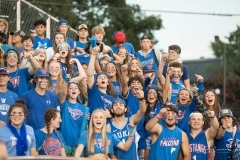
<point>112,15</point>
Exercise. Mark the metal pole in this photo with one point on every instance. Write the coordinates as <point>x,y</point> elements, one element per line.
<point>18,15</point>
<point>224,75</point>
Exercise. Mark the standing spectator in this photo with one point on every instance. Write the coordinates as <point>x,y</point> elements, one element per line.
<point>81,39</point>
<point>99,90</point>
<point>4,26</point>
<point>98,142</point>
<point>27,49</point>
<point>228,137</point>
<point>7,97</point>
<point>4,39</point>
<point>174,52</point>
<point>167,139</point>
<point>210,100</point>
<point>120,125</point>
<point>49,140</point>
<point>148,55</point>
<point>18,137</point>
<point>200,141</point>
<point>74,117</point>
<point>39,99</point>
<point>40,39</point>
<point>120,40</point>
<point>17,84</point>
<point>62,27</point>
<point>17,40</point>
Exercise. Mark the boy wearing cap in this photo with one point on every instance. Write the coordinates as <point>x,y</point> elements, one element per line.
<point>120,41</point>
<point>62,27</point>
<point>7,97</point>
<point>201,141</point>
<point>17,40</point>
<point>17,84</point>
<point>81,39</point>
<point>121,126</point>
<point>227,141</point>
<point>168,141</point>
<point>40,39</point>
<point>39,99</point>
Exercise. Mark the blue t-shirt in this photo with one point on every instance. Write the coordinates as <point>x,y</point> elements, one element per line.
<point>70,42</point>
<point>198,146</point>
<point>46,42</point>
<point>175,89</point>
<point>67,76</point>
<point>126,45</point>
<point>83,58</point>
<point>168,144</point>
<point>98,100</point>
<point>99,147</point>
<point>223,146</point>
<point>37,105</point>
<point>11,141</point>
<point>73,121</point>
<point>183,115</point>
<point>50,146</point>
<point>19,81</point>
<point>117,89</point>
<point>6,99</point>
<point>122,134</point>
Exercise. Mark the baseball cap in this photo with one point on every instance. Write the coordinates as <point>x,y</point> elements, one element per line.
<point>225,112</point>
<point>4,70</point>
<point>119,37</point>
<point>119,100</point>
<point>18,32</point>
<point>62,22</point>
<point>146,37</point>
<point>82,26</point>
<point>42,72</point>
<point>148,68</point>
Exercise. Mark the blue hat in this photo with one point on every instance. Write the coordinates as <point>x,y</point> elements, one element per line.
<point>148,68</point>
<point>62,22</point>
<point>42,72</point>
<point>119,100</point>
<point>4,70</point>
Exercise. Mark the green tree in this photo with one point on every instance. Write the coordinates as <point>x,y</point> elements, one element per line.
<point>112,15</point>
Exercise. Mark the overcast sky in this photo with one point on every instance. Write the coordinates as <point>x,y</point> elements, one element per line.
<point>192,32</point>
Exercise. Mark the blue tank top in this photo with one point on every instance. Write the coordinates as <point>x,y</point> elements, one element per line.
<point>167,145</point>
<point>122,134</point>
<point>198,146</point>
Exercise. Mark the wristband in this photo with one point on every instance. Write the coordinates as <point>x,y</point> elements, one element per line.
<point>223,128</point>
<point>213,116</point>
<point>140,99</point>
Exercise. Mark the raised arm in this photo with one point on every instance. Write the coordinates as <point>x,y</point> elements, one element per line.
<point>90,71</point>
<point>166,87</point>
<point>81,72</point>
<point>124,79</point>
<point>142,109</point>
<point>34,65</point>
<point>212,131</point>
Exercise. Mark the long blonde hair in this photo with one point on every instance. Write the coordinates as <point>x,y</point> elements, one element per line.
<point>91,133</point>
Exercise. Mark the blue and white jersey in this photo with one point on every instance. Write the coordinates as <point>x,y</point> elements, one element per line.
<point>73,121</point>
<point>122,134</point>
<point>117,89</point>
<point>11,140</point>
<point>46,42</point>
<point>37,105</point>
<point>167,146</point>
<point>99,146</point>
<point>6,99</point>
<point>175,89</point>
<point>198,146</point>
<point>223,146</point>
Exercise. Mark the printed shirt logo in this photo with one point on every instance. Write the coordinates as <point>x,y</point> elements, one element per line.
<point>75,113</point>
<point>15,81</point>
<point>52,147</point>
<point>198,148</point>
<point>4,109</point>
<point>44,71</point>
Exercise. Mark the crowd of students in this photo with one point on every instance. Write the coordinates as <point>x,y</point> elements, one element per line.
<point>83,98</point>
